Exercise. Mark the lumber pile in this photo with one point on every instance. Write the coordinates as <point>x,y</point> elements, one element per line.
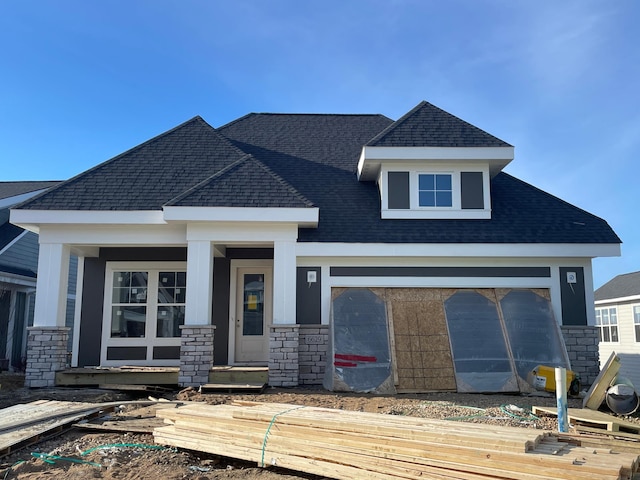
<point>354,445</point>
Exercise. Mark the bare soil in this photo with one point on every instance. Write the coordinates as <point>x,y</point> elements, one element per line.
<point>141,459</point>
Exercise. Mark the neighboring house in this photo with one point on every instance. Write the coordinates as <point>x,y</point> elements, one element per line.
<point>18,266</point>
<point>617,305</point>
<point>386,251</point>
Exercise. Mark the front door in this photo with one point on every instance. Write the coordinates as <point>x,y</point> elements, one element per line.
<point>252,314</point>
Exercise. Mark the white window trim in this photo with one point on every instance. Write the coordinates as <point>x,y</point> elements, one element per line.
<point>149,341</point>
<point>415,211</point>
<point>633,315</point>
<point>601,326</point>
<point>414,190</point>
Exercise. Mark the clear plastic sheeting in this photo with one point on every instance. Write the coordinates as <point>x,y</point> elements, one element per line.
<point>480,354</point>
<point>533,332</point>
<point>359,357</point>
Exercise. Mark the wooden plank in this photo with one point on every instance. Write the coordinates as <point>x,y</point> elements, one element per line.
<point>594,418</point>
<point>233,387</point>
<point>598,390</point>
<point>385,446</point>
<point>119,376</point>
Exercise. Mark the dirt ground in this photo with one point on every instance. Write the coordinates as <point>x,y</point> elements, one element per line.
<point>129,455</point>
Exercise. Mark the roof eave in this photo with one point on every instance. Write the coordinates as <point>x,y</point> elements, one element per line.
<point>371,158</point>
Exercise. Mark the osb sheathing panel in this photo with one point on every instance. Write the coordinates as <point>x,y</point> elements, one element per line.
<point>422,351</point>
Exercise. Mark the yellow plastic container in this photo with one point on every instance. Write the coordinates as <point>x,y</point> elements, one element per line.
<point>544,378</point>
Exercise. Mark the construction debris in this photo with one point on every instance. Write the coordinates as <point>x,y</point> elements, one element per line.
<point>348,445</point>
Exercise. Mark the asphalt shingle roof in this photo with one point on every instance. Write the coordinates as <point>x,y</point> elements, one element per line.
<point>626,285</point>
<point>429,126</point>
<point>245,183</point>
<point>147,176</point>
<point>303,160</point>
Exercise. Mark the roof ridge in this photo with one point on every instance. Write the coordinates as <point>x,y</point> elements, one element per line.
<point>231,166</point>
<point>251,114</point>
<point>397,123</point>
<point>202,183</point>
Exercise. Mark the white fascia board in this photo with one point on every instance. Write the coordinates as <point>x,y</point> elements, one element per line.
<point>372,157</point>
<point>33,219</point>
<point>242,233</point>
<point>632,298</point>
<point>304,217</point>
<point>479,214</point>
<point>114,235</point>
<point>521,250</point>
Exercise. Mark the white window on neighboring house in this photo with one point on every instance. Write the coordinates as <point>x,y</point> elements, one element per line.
<point>607,323</point>
<point>636,321</point>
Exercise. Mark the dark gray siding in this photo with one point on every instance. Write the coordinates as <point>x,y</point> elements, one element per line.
<point>574,305</point>
<point>398,186</point>
<point>91,314</point>
<point>440,272</point>
<point>220,313</point>
<point>308,299</point>
<point>472,190</point>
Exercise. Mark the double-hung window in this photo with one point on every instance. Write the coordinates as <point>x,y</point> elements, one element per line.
<point>636,321</point>
<point>435,190</point>
<point>607,323</point>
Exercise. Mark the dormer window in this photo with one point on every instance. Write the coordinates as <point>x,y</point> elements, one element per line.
<point>434,190</point>
<point>410,191</point>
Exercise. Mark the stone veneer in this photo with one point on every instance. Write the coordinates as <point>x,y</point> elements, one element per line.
<point>312,353</point>
<point>46,354</point>
<point>283,355</point>
<point>196,354</point>
<point>582,347</point>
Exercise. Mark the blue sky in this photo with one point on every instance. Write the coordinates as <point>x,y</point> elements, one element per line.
<point>81,81</point>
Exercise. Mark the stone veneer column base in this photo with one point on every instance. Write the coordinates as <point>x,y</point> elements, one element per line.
<point>196,354</point>
<point>582,346</point>
<point>314,342</point>
<point>46,354</point>
<point>283,355</point>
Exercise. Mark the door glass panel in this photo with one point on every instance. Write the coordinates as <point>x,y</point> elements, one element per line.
<point>253,309</point>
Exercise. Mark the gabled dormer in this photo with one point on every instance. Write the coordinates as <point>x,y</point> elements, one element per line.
<point>431,164</point>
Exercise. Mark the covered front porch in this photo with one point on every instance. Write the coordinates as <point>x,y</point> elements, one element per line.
<point>184,297</point>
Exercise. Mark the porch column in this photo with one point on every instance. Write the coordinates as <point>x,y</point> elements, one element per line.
<point>47,339</point>
<point>196,345</point>
<point>283,334</point>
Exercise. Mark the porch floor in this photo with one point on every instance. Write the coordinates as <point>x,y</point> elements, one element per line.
<point>161,376</point>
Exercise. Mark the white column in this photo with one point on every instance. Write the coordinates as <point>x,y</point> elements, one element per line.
<point>284,283</point>
<point>51,289</point>
<point>199,282</point>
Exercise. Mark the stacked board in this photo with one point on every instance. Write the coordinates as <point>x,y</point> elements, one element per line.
<point>354,445</point>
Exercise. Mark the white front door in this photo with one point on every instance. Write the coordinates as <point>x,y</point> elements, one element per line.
<point>252,315</point>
